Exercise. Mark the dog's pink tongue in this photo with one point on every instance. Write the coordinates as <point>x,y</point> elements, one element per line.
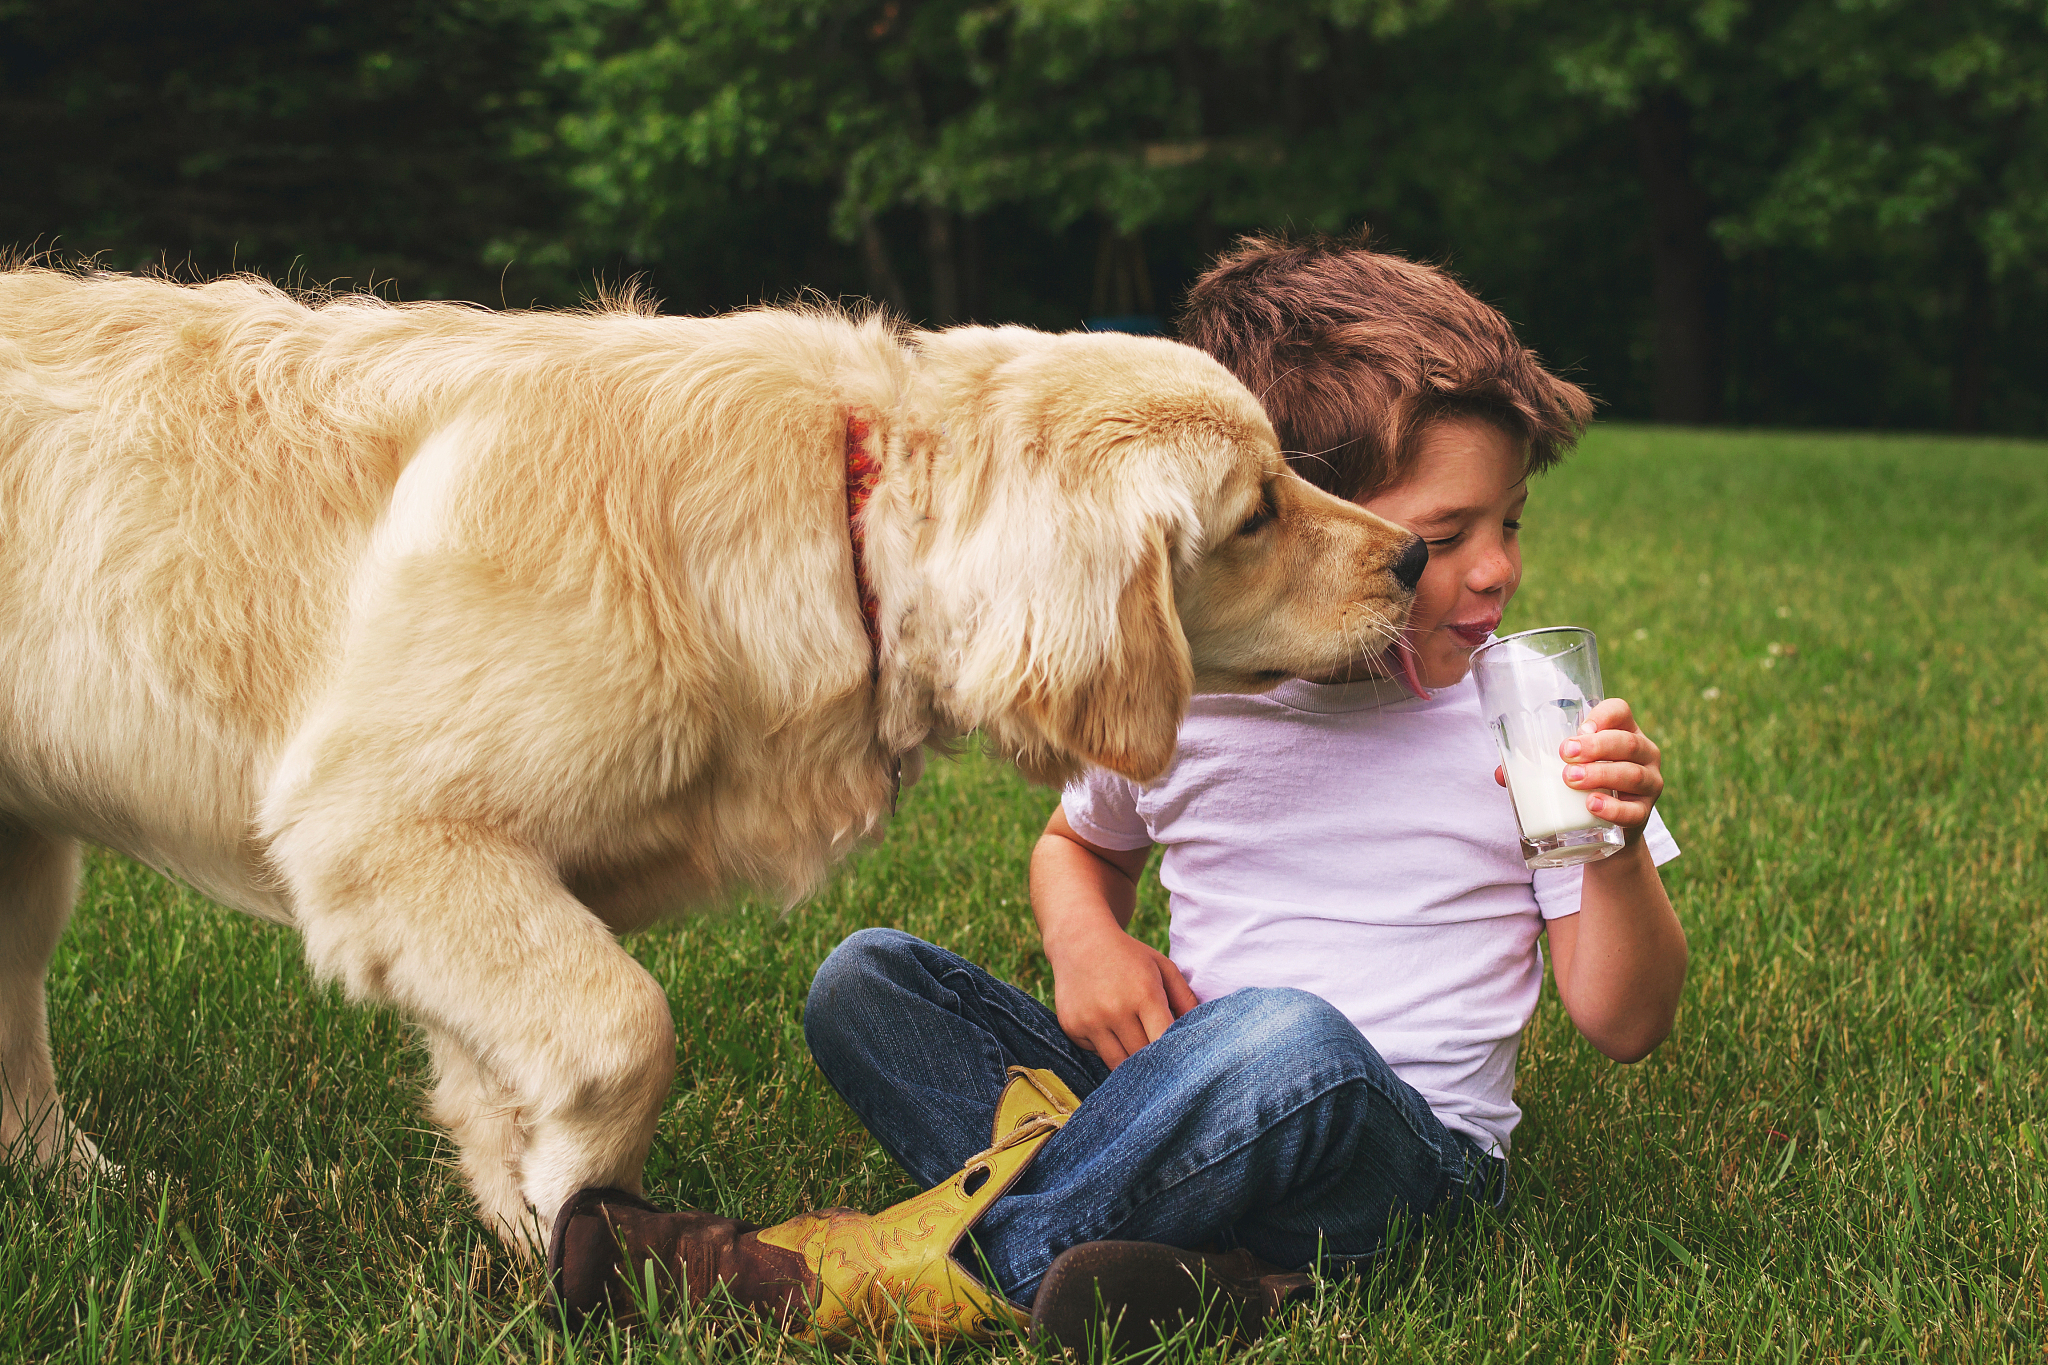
<point>1402,653</point>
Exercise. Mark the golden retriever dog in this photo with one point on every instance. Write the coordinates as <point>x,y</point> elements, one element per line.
<point>464,641</point>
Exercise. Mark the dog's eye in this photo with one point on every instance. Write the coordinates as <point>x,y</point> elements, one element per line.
<point>1261,514</point>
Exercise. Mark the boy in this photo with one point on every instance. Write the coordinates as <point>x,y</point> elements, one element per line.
<point>1330,1046</point>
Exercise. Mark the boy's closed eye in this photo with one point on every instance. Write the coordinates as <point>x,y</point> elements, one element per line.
<point>1511,526</point>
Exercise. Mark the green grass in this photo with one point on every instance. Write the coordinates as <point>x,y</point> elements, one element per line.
<point>1841,1153</point>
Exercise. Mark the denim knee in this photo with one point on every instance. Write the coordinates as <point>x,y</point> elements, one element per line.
<point>1279,1023</point>
<point>855,973</point>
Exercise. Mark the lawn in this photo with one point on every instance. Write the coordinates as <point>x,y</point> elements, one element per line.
<point>1842,1152</point>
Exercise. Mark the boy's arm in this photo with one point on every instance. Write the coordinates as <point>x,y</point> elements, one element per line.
<point>1112,993</point>
<point>1620,962</point>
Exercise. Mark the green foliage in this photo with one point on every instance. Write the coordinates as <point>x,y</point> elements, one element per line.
<point>1813,211</point>
<point>1841,1153</point>
<point>1928,122</point>
<point>1846,183</point>
<point>1140,114</point>
<point>368,141</point>
<point>1901,146</point>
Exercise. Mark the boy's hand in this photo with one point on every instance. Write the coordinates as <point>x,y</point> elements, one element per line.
<point>1114,994</point>
<point>1610,754</point>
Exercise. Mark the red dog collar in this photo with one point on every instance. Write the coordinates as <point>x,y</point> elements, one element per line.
<point>862,469</point>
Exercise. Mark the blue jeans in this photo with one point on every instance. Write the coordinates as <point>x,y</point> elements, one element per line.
<point>1261,1119</point>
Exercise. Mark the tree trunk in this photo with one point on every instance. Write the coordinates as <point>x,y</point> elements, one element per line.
<point>944,263</point>
<point>973,272</point>
<point>1754,365</point>
<point>1690,277</point>
<point>883,284</point>
<point>1973,350</point>
<point>1123,280</point>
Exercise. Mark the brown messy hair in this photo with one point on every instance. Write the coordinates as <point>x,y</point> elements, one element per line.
<point>1355,351</point>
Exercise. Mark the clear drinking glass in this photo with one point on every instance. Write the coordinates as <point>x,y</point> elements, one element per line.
<point>1534,690</point>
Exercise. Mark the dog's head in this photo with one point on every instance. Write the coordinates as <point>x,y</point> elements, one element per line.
<point>1107,526</point>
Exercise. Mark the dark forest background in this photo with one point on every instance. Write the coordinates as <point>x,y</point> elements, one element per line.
<point>1809,212</point>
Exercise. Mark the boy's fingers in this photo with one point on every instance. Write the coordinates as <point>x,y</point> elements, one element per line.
<point>1130,1035</point>
<point>1612,714</point>
<point>1631,745</point>
<point>1103,1044</point>
<point>1097,1037</point>
<point>1155,1018</point>
<point>1180,996</point>
<point>1628,779</point>
<point>1616,810</point>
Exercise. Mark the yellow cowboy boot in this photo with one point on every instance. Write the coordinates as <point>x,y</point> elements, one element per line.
<point>836,1274</point>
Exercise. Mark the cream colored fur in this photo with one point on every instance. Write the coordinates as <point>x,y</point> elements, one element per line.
<point>464,641</point>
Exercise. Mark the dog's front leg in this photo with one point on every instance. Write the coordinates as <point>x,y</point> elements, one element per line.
<point>38,882</point>
<point>481,1112</point>
<point>554,1047</point>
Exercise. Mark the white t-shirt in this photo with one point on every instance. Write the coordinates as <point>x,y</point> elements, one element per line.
<point>1351,841</point>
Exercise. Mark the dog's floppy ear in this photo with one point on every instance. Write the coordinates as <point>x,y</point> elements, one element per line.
<point>1124,713</point>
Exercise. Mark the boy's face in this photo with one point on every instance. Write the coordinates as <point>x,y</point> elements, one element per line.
<point>1464,495</point>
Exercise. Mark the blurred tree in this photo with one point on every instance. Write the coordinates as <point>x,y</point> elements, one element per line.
<point>1812,211</point>
<point>1896,148</point>
<point>1920,151</point>
<point>362,140</point>
<point>1192,116</point>
<point>694,115</point>
<point>1701,115</point>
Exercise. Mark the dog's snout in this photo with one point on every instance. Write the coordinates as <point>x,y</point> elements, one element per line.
<point>1408,568</point>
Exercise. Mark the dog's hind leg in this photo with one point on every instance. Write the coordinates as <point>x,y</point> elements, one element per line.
<point>568,1040</point>
<point>38,883</point>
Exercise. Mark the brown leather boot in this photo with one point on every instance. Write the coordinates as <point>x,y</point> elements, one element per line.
<point>1102,1299</point>
<point>837,1274</point>
<point>603,1235</point>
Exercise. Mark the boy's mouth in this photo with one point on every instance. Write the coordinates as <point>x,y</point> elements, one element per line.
<point>1473,633</point>
<point>1405,664</point>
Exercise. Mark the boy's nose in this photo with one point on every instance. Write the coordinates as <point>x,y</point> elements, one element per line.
<point>1408,569</point>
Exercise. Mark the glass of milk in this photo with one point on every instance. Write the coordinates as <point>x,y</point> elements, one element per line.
<point>1534,690</point>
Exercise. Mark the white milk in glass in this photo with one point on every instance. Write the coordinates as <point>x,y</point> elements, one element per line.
<point>1529,742</point>
<point>1535,689</point>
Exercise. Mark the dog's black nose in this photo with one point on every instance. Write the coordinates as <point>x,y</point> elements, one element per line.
<point>1408,569</point>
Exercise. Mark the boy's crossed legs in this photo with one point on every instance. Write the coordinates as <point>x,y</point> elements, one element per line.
<point>1262,1119</point>
<point>1262,1124</point>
